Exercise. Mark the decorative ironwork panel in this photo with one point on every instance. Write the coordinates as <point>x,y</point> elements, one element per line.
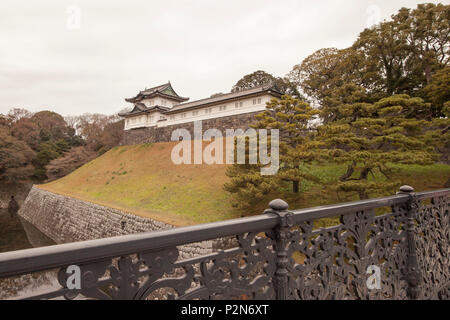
<point>433,248</point>
<point>280,255</point>
<point>332,263</point>
<point>242,272</point>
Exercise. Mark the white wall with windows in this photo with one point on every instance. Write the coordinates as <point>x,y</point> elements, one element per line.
<point>158,101</point>
<point>221,109</point>
<point>143,120</point>
<point>218,110</point>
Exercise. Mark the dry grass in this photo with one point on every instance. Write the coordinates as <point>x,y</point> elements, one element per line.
<point>142,180</point>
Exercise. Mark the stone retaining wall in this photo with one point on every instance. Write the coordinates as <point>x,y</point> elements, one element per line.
<point>163,134</point>
<point>65,219</point>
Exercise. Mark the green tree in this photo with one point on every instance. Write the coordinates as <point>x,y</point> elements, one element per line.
<point>261,78</point>
<point>52,126</point>
<point>384,46</point>
<point>409,49</point>
<point>292,118</point>
<point>15,157</point>
<point>348,93</point>
<point>397,56</point>
<point>327,69</point>
<point>48,151</point>
<point>370,137</point>
<point>438,91</point>
<point>426,30</point>
<point>72,160</point>
<point>247,184</point>
<point>27,130</point>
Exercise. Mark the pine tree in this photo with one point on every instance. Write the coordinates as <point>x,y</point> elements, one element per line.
<point>292,117</point>
<point>370,137</point>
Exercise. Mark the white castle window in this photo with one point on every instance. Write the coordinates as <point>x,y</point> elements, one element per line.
<point>183,115</point>
<point>259,101</point>
<point>195,113</point>
<point>223,108</point>
<point>173,117</point>
<point>208,110</point>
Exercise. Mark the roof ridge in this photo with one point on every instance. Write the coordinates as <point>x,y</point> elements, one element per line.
<point>156,87</point>
<point>264,86</point>
<point>158,90</point>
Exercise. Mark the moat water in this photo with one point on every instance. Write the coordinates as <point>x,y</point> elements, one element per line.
<point>12,233</point>
<point>13,236</point>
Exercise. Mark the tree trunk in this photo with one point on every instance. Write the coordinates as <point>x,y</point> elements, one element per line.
<point>363,176</point>
<point>295,186</point>
<point>363,195</point>
<point>428,73</point>
<point>350,170</point>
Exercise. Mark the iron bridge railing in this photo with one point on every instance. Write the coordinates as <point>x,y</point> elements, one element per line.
<point>280,254</point>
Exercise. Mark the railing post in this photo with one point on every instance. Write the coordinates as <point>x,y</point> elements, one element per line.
<point>282,237</point>
<point>413,275</point>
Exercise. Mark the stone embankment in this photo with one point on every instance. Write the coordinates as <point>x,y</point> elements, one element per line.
<point>64,219</point>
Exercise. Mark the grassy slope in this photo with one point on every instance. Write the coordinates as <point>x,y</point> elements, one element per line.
<point>143,180</point>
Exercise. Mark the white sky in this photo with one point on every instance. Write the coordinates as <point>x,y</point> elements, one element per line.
<point>121,47</point>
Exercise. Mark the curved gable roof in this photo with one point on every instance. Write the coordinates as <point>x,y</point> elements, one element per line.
<point>140,108</point>
<point>164,90</point>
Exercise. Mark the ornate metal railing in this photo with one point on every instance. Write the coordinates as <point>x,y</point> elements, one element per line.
<point>277,255</point>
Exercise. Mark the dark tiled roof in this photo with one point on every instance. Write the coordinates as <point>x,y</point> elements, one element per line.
<point>226,97</point>
<point>164,90</point>
<point>140,107</point>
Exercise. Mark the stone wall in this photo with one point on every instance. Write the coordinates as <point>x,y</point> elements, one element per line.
<point>64,219</point>
<point>17,189</point>
<point>163,134</point>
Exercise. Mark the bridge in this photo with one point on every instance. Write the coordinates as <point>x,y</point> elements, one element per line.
<point>280,254</point>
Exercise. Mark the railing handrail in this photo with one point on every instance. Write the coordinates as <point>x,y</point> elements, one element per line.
<point>45,258</point>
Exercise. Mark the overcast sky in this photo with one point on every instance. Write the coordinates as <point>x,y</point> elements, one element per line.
<point>79,56</point>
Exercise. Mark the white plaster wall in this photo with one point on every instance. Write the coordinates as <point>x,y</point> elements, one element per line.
<point>146,120</point>
<point>216,112</point>
<point>158,101</point>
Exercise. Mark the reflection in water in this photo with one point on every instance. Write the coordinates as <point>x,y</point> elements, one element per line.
<point>17,234</point>
<point>12,233</point>
<point>35,237</point>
